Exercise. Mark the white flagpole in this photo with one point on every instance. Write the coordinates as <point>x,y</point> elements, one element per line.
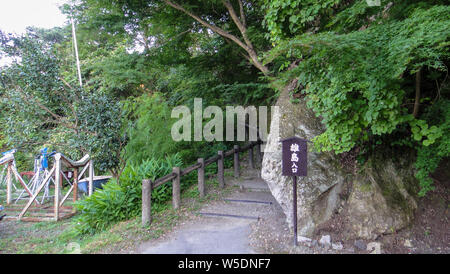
<point>76,51</point>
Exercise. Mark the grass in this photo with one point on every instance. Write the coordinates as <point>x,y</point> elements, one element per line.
<point>228,173</point>
<point>16,192</point>
<point>23,237</point>
<point>123,237</point>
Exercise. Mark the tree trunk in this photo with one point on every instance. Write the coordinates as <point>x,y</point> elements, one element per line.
<point>417,100</point>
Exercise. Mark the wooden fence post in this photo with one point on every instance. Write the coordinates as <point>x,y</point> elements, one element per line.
<point>75,184</point>
<point>146,202</point>
<point>236,161</point>
<point>57,185</point>
<point>176,199</point>
<point>201,177</point>
<point>91,177</point>
<point>61,181</point>
<point>220,169</point>
<point>258,153</point>
<point>251,163</point>
<point>8,184</point>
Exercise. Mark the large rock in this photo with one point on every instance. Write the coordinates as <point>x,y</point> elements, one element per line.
<point>319,194</point>
<point>381,200</point>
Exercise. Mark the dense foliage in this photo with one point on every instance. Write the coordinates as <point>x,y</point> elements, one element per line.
<point>429,156</point>
<point>149,134</point>
<point>359,75</point>
<point>116,202</point>
<point>40,109</point>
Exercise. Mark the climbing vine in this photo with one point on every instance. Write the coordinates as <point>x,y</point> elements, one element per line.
<point>361,82</point>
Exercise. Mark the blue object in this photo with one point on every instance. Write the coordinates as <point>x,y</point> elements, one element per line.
<point>9,151</point>
<point>83,186</point>
<point>2,216</point>
<point>44,158</point>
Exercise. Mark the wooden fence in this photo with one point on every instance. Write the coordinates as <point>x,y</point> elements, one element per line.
<point>177,173</point>
<point>40,211</point>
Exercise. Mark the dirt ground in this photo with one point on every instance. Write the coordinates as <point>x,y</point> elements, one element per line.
<point>429,233</point>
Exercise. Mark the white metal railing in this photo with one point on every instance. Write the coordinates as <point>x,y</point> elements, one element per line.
<point>55,175</point>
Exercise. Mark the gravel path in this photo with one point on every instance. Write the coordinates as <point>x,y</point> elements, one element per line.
<point>250,203</point>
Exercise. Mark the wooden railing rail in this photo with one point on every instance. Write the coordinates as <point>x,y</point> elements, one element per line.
<point>148,185</point>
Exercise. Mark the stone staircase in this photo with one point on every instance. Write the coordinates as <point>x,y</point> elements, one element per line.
<point>224,226</point>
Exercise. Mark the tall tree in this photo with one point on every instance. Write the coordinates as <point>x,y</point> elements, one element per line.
<point>40,108</point>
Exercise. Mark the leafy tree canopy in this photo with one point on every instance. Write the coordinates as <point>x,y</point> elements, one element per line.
<point>39,108</point>
<point>375,75</point>
<point>368,72</point>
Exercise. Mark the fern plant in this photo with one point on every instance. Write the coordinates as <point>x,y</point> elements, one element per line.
<point>119,202</point>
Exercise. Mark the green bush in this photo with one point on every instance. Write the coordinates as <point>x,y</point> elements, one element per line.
<point>431,153</point>
<point>149,129</point>
<point>118,202</point>
<point>361,83</point>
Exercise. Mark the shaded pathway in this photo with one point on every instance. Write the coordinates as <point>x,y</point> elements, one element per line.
<point>214,234</point>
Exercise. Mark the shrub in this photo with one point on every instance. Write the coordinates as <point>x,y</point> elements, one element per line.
<point>431,151</point>
<point>118,202</point>
<point>149,129</point>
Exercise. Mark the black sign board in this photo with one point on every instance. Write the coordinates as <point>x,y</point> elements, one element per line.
<point>294,155</point>
<point>294,163</point>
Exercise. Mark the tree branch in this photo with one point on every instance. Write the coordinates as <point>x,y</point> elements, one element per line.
<point>43,107</point>
<point>29,99</point>
<point>216,29</point>
<point>251,50</point>
<point>242,14</point>
<point>246,45</point>
<point>238,23</point>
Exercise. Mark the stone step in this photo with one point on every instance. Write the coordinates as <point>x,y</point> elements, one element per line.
<point>253,185</point>
<point>247,201</point>
<point>249,205</point>
<point>256,195</point>
<point>212,214</point>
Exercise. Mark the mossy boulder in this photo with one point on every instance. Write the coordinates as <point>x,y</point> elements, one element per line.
<point>318,193</point>
<point>379,201</point>
<point>382,199</point>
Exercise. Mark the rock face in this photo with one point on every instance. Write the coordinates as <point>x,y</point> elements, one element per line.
<point>318,192</point>
<point>369,212</point>
<point>380,201</point>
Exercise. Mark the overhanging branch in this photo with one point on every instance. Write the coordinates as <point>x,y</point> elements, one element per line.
<point>240,23</point>
<point>216,29</point>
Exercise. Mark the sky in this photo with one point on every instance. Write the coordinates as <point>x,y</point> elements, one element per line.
<point>16,15</point>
